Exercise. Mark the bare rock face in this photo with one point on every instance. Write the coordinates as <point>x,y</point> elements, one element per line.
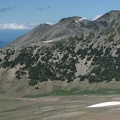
<point>68,27</point>
<point>109,17</point>
<point>65,28</point>
<point>72,49</point>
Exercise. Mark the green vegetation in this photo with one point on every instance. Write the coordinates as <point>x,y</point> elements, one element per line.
<point>111,37</point>
<point>76,91</point>
<point>58,62</point>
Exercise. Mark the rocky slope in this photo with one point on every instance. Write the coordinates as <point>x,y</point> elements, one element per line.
<point>74,49</point>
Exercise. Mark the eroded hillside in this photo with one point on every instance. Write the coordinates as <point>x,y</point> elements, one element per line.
<point>73,49</point>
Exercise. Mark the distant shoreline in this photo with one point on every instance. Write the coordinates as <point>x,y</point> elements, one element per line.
<point>7,36</point>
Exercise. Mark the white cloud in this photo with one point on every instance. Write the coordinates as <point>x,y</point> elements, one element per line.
<point>41,8</point>
<point>50,23</point>
<point>6,9</point>
<point>15,26</point>
<point>96,17</point>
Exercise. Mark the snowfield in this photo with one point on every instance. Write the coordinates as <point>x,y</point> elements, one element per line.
<point>48,41</point>
<point>105,104</point>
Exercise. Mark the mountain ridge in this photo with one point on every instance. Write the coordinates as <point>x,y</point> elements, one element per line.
<point>75,50</point>
<point>65,27</point>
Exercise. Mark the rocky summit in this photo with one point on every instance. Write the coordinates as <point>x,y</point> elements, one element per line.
<point>74,49</point>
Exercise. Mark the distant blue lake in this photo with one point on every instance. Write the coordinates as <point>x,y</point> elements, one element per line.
<point>7,36</point>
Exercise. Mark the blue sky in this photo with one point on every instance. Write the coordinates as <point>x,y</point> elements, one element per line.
<point>22,14</point>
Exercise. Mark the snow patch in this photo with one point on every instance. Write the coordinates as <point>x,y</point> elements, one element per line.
<point>48,41</point>
<point>105,104</point>
<point>83,18</point>
<point>96,17</point>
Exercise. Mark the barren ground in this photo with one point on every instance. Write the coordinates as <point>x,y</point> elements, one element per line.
<point>72,107</point>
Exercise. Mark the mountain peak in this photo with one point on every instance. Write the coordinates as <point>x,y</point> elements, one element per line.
<point>75,18</point>
<point>109,19</point>
<point>73,49</point>
<point>113,14</point>
<point>114,11</point>
<point>67,27</point>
